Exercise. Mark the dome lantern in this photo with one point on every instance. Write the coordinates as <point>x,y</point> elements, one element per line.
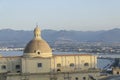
<point>37,47</point>
<point>37,33</point>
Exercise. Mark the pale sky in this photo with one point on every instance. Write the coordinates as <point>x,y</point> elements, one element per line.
<point>82,15</point>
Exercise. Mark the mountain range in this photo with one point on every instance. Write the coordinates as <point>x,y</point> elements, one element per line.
<point>21,37</point>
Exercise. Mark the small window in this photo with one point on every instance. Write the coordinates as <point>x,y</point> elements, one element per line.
<point>3,67</point>
<point>58,70</point>
<point>72,65</point>
<point>17,66</point>
<point>117,72</point>
<point>58,65</point>
<point>18,71</point>
<point>35,51</point>
<point>76,78</point>
<point>86,64</point>
<point>84,78</point>
<point>38,53</point>
<point>39,65</point>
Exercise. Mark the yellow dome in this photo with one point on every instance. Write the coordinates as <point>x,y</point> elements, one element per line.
<point>37,46</point>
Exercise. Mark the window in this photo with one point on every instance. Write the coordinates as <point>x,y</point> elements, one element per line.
<point>38,52</point>
<point>84,78</point>
<point>35,51</point>
<point>39,65</point>
<point>18,71</point>
<point>58,70</point>
<point>76,78</point>
<point>58,65</point>
<point>17,66</point>
<point>86,64</point>
<point>72,65</point>
<point>3,67</point>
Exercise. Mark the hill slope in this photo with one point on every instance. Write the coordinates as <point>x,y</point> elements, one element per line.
<point>21,37</point>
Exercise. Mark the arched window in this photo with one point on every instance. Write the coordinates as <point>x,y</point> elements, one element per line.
<point>72,65</point>
<point>58,70</point>
<point>58,65</point>
<point>86,64</point>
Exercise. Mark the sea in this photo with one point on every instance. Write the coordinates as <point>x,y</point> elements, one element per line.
<point>101,62</point>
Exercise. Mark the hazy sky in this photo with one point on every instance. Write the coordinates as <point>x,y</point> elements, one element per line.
<point>80,15</point>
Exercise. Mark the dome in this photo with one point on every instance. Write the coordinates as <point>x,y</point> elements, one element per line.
<point>37,46</point>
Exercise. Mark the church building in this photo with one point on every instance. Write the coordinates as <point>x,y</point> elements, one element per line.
<point>38,63</point>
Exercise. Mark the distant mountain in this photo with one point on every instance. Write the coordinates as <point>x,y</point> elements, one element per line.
<point>21,37</point>
<point>81,36</point>
<point>110,36</point>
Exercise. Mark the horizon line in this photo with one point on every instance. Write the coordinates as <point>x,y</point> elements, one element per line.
<point>58,29</point>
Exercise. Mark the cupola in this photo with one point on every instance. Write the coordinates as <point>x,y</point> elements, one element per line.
<point>37,47</point>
